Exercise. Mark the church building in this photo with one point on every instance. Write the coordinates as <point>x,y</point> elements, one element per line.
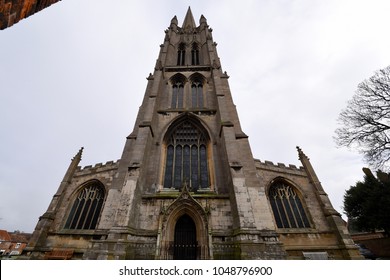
<point>187,185</point>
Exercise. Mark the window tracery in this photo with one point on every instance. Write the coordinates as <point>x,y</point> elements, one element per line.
<point>181,54</point>
<point>197,94</point>
<point>186,157</point>
<point>86,208</point>
<point>177,91</point>
<point>287,206</point>
<point>195,54</point>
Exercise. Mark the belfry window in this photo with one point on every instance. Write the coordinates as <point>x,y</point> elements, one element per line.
<point>197,94</point>
<point>181,54</point>
<point>177,82</point>
<point>287,206</point>
<point>86,208</point>
<point>177,95</point>
<point>186,157</point>
<point>195,54</point>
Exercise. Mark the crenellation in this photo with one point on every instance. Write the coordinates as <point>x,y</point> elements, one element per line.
<point>97,168</point>
<point>279,166</point>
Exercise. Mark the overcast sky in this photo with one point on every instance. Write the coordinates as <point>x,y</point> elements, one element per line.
<point>74,75</point>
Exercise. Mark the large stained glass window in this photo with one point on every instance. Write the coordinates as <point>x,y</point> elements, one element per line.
<point>287,206</point>
<point>186,157</point>
<point>86,208</point>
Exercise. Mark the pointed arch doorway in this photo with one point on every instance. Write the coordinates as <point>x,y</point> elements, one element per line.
<point>183,230</point>
<point>185,243</point>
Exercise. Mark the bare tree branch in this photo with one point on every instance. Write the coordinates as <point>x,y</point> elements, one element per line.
<point>365,122</point>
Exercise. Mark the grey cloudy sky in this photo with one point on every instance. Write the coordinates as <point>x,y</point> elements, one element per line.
<point>74,75</point>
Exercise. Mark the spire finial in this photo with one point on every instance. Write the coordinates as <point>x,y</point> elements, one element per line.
<point>174,20</point>
<point>301,154</point>
<point>202,20</point>
<point>79,154</point>
<point>189,22</point>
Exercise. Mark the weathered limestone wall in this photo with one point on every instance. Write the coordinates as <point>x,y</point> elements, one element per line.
<point>322,235</point>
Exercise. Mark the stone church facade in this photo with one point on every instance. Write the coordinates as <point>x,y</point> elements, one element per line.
<point>187,185</point>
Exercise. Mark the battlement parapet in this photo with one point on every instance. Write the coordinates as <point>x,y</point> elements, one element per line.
<point>269,165</point>
<point>99,167</point>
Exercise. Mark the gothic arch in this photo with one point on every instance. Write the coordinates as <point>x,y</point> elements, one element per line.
<point>199,122</point>
<point>186,155</point>
<point>88,201</point>
<point>195,53</point>
<point>181,54</point>
<point>197,77</point>
<point>185,204</point>
<point>178,77</point>
<point>197,96</point>
<point>86,183</point>
<point>178,99</point>
<point>285,180</point>
<point>287,204</point>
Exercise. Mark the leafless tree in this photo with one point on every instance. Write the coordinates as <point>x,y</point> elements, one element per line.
<point>365,123</point>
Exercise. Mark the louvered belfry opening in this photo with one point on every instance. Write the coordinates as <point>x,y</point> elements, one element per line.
<point>185,244</point>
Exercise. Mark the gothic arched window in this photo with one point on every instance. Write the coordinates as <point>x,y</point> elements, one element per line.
<point>181,54</point>
<point>177,95</point>
<point>186,157</point>
<point>86,208</point>
<point>177,82</point>
<point>287,206</point>
<point>197,94</point>
<point>195,54</point>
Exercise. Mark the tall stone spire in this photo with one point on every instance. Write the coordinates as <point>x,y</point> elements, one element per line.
<point>189,22</point>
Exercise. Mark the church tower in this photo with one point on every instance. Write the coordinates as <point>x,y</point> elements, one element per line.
<point>187,185</point>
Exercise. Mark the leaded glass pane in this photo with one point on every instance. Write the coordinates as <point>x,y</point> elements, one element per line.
<point>289,212</point>
<point>180,96</point>
<point>282,213</point>
<point>194,96</point>
<point>194,167</point>
<point>195,54</point>
<point>174,96</point>
<point>90,214</point>
<point>203,167</point>
<point>287,207</point>
<point>186,158</point>
<point>169,167</point>
<point>305,221</point>
<point>86,208</point>
<point>200,96</point>
<point>181,54</point>
<point>84,214</point>
<point>276,212</point>
<point>197,94</point>
<point>78,213</point>
<point>178,167</point>
<point>186,163</point>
